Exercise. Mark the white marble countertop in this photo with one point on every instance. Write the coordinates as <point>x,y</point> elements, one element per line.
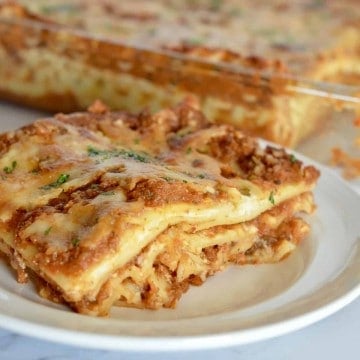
<point>337,336</point>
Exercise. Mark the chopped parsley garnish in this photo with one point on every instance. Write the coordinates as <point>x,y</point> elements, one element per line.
<point>235,12</point>
<point>94,152</point>
<point>183,132</point>
<point>63,8</point>
<point>11,168</point>
<point>194,41</point>
<point>35,171</point>
<point>167,178</point>
<point>215,5</point>
<point>107,154</point>
<point>151,31</point>
<point>75,241</point>
<point>201,176</point>
<point>189,150</point>
<point>271,198</point>
<point>293,158</point>
<point>133,155</point>
<point>63,178</point>
<point>137,141</point>
<point>47,231</point>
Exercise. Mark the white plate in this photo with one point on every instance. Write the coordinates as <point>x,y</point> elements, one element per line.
<point>238,306</point>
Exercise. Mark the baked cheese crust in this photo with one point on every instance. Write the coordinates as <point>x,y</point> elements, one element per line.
<point>109,207</point>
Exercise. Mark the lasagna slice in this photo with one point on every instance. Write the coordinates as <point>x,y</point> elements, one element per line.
<point>109,208</point>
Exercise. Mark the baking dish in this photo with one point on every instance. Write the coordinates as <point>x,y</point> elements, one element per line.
<point>57,67</point>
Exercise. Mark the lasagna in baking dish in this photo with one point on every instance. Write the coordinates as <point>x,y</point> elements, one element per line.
<point>108,208</point>
<point>46,63</point>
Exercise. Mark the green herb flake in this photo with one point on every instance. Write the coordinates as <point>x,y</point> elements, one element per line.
<point>183,132</point>
<point>137,141</point>
<point>185,181</point>
<point>107,154</point>
<point>94,152</point>
<point>75,242</point>
<point>11,168</point>
<point>194,41</point>
<point>35,171</point>
<point>135,156</point>
<point>293,158</point>
<point>189,150</point>
<point>271,198</point>
<point>48,230</point>
<point>60,8</point>
<point>201,176</point>
<point>167,178</point>
<point>152,31</point>
<point>215,5</point>
<point>63,178</point>
<point>235,12</point>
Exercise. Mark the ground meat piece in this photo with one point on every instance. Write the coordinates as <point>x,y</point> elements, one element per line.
<point>156,192</point>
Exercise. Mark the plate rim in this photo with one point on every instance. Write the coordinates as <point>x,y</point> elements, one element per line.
<point>177,343</point>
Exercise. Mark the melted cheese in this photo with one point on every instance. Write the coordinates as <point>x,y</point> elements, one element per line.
<point>87,204</point>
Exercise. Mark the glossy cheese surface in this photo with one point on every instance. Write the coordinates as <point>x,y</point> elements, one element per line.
<point>82,195</point>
